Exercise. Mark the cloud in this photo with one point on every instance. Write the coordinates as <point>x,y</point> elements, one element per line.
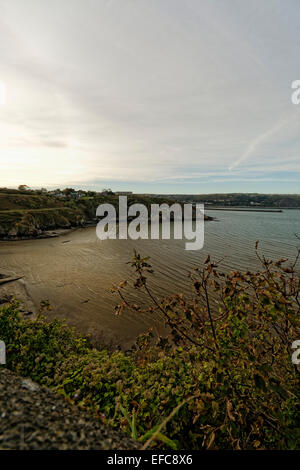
<point>141,91</point>
<point>260,139</point>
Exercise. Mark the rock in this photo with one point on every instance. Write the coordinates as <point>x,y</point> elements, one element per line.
<point>27,383</point>
<point>43,420</point>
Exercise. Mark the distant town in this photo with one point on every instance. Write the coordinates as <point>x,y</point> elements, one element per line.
<point>218,200</point>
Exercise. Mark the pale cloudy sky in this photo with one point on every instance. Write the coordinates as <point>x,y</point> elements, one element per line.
<point>150,95</point>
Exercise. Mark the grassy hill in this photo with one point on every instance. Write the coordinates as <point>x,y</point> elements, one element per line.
<point>33,222</point>
<point>29,214</point>
<point>27,201</point>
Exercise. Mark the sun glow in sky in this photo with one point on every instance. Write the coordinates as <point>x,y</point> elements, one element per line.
<point>162,96</point>
<point>3,93</point>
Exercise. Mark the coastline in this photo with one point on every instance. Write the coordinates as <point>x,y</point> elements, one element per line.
<point>58,232</point>
<point>46,234</point>
<point>243,209</point>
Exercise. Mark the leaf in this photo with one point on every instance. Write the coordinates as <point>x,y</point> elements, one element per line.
<point>132,423</point>
<point>229,410</point>
<point>281,391</point>
<point>259,382</point>
<point>215,407</point>
<point>211,440</point>
<point>122,284</point>
<point>148,434</point>
<point>133,427</point>
<point>159,436</point>
<point>125,413</point>
<point>197,285</point>
<point>166,440</point>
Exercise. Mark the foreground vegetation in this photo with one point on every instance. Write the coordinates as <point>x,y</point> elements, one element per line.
<point>222,379</point>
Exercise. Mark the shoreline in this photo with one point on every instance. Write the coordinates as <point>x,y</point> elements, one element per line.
<point>56,233</point>
<point>44,235</point>
<point>242,209</point>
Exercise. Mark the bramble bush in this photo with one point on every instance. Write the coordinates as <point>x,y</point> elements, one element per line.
<point>222,379</point>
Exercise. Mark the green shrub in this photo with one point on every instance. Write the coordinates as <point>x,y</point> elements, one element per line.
<point>35,347</point>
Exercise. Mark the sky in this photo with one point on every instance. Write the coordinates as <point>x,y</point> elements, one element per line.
<point>160,96</point>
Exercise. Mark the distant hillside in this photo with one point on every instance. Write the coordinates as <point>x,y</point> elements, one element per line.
<point>241,199</point>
